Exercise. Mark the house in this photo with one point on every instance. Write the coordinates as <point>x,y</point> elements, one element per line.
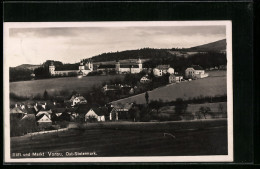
<point>175,78</point>
<point>77,99</point>
<point>43,121</point>
<point>95,113</point>
<point>113,114</point>
<point>145,79</point>
<point>17,112</point>
<point>122,110</point>
<point>162,69</point>
<point>45,112</point>
<point>90,113</point>
<point>195,72</point>
<point>111,88</point>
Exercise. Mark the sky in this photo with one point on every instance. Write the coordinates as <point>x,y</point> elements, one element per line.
<point>71,44</point>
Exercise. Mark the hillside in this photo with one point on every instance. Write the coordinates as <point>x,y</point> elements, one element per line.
<point>27,66</point>
<point>214,46</point>
<point>151,53</point>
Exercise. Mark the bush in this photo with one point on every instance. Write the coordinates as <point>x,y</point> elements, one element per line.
<point>63,124</point>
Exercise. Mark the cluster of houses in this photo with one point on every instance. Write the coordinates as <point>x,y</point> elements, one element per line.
<point>192,72</point>
<point>46,114</point>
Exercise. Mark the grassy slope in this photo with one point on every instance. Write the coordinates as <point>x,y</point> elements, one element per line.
<point>213,85</point>
<point>195,107</point>
<point>131,139</point>
<point>57,84</point>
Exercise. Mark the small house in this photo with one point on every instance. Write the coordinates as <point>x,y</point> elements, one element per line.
<point>43,121</point>
<point>195,71</point>
<point>145,79</point>
<point>77,99</point>
<point>174,78</point>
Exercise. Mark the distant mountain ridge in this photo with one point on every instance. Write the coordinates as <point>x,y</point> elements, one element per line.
<point>151,53</point>
<point>217,46</point>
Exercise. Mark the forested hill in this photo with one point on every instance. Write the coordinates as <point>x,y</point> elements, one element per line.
<point>210,47</point>
<point>145,53</point>
<point>151,53</point>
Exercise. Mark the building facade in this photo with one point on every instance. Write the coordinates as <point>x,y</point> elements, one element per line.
<point>195,71</point>
<point>84,69</point>
<point>119,68</point>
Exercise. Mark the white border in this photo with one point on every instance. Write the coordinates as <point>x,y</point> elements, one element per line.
<point>211,158</point>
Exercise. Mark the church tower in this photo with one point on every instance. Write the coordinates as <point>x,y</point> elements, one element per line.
<point>90,65</point>
<point>81,66</point>
<point>140,65</point>
<point>117,66</point>
<point>52,69</point>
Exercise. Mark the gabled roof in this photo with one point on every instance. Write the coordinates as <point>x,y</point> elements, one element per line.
<point>197,67</point>
<point>30,117</point>
<point>16,110</point>
<point>100,111</point>
<point>41,116</point>
<point>125,106</point>
<point>161,67</point>
<point>83,108</point>
<point>107,67</point>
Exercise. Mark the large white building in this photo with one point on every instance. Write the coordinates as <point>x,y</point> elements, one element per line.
<point>195,71</point>
<point>162,69</point>
<point>132,68</point>
<point>83,68</point>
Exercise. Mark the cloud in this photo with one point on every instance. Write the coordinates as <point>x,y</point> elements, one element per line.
<point>35,45</point>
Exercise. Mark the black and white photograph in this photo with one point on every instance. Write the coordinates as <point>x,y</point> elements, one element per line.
<point>154,91</point>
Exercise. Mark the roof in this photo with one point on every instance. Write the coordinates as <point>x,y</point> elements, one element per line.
<point>58,110</point>
<point>83,108</point>
<point>100,111</point>
<point>197,67</point>
<point>107,66</point>
<point>81,98</point>
<point>163,67</point>
<point>129,66</point>
<point>30,117</point>
<point>16,110</point>
<point>39,117</point>
<point>112,87</point>
<point>126,106</point>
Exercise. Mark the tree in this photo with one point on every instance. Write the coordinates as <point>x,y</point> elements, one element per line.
<point>45,95</point>
<point>147,97</point>
<point>204,111</point>
<point>154,104</point>
<point>180,106</point>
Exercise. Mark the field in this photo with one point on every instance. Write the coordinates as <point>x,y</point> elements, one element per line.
<point>207,137</point>
<point>213,85</point>
<point>192,108</point>
<point>29,88</point>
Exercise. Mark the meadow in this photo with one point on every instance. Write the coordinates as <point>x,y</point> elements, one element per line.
<point>55,85</point>
<point>213,85</point>
<point>203,137</point>
<point>192,108</point>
